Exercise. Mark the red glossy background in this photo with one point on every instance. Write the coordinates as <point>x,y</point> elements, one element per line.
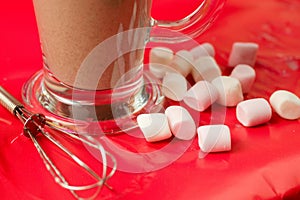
<point>264,161</point>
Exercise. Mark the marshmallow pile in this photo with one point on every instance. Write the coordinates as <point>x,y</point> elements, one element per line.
<point>210,87</point>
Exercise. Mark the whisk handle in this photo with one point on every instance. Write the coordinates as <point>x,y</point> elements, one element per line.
<point>9,102</point>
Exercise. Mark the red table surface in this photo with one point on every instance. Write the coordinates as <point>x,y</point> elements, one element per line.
<point>264,161</point>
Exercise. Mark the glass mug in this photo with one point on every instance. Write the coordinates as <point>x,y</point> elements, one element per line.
<point>93,53</point>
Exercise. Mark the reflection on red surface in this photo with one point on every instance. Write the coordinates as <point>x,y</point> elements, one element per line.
<point>264,160</point>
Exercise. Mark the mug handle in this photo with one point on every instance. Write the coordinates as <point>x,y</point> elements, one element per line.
<point>190,26</point>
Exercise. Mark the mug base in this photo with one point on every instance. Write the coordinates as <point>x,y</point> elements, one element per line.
<point>89,115</point>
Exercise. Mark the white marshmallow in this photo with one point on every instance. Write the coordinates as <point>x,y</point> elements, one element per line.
<point>154,126</point>
<point>286,104</point>
<point>246,75</point>
<point>214,138</point>
<point>202,95</point>
<point>160,70</point>
<point>160,59</point>
<point>183,62</point>
<point>181,122</point>
<point>174,86</point>
<point>205,68</point>
<point>205,49</point>
<point>229,89</point>
<point>199,51</point>
<point>161,55</point>
<point>209,48</point>
<point>253,112</point>
<point>243,53</point>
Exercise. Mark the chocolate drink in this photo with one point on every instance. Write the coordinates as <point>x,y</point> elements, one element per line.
<point>69,30</point>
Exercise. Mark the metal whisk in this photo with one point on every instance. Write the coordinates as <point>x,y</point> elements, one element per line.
<point>35,124</point>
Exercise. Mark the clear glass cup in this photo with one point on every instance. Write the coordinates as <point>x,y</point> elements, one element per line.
<point>93,52</point>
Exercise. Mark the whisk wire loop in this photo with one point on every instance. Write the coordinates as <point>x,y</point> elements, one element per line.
<point>35,124</point>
